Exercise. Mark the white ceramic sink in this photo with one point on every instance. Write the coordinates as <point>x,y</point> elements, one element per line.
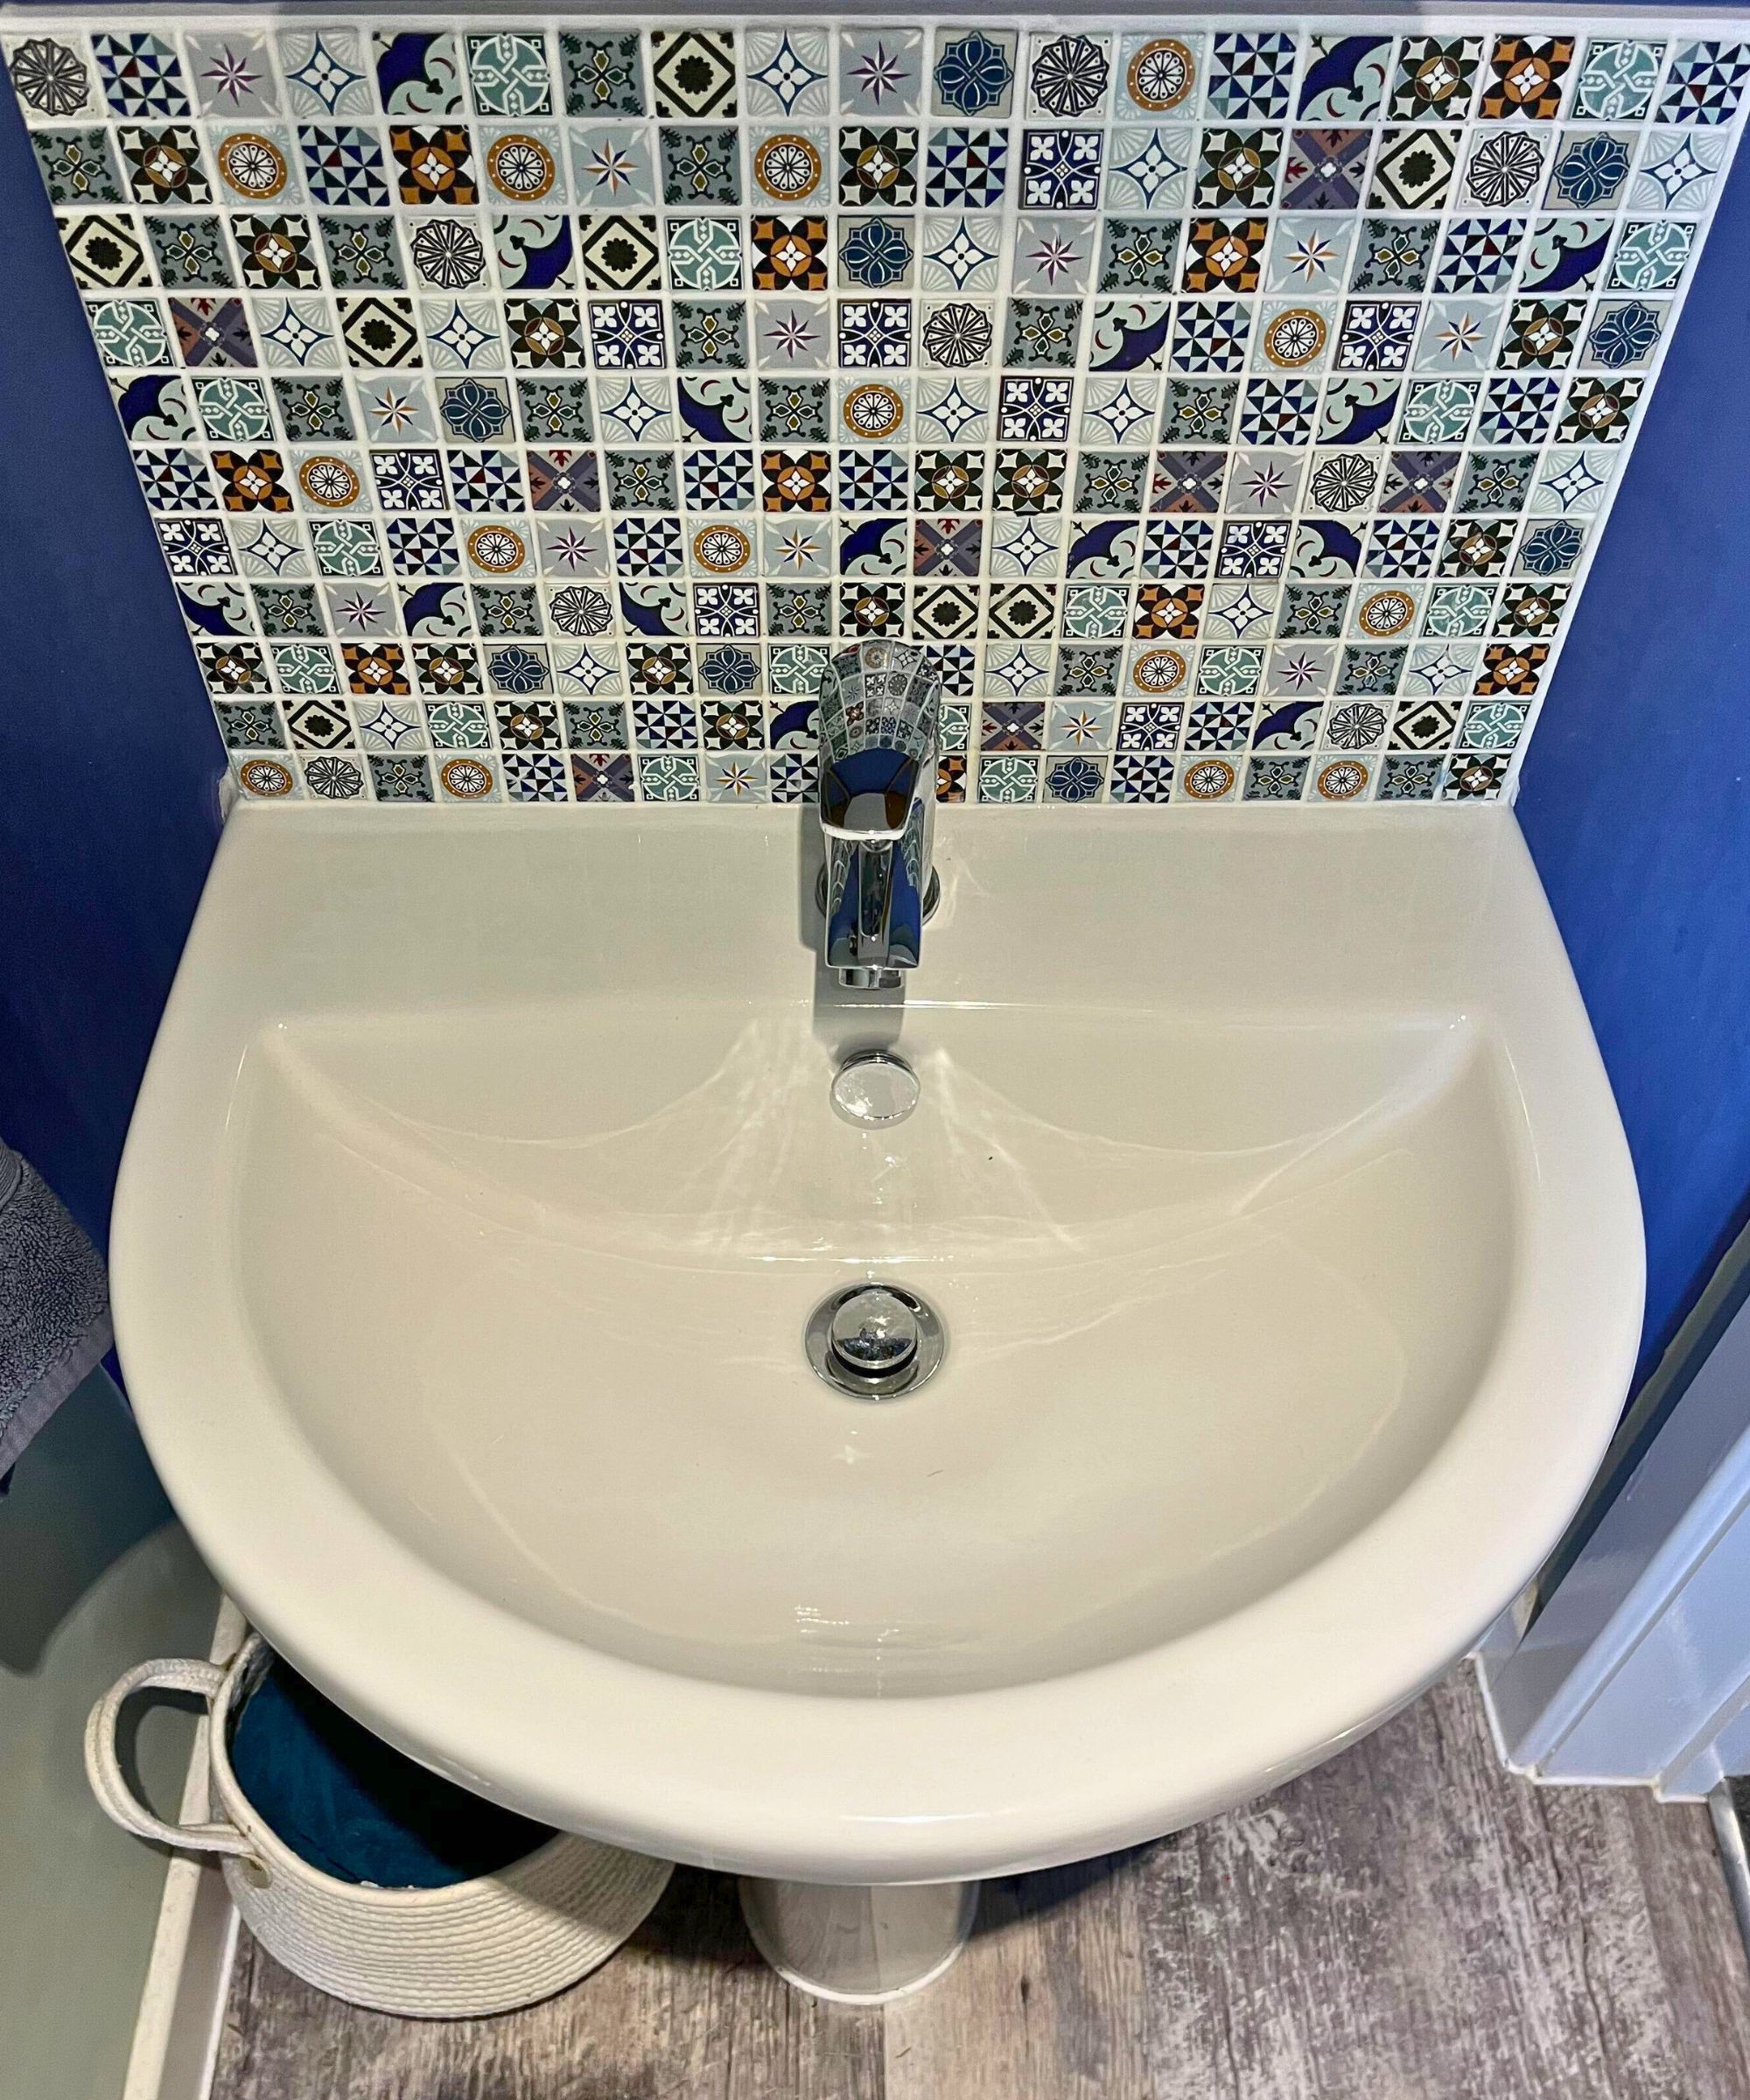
<point>1265,1175</point>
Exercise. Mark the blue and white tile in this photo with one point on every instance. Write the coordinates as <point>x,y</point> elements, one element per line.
<point>1539,289</point>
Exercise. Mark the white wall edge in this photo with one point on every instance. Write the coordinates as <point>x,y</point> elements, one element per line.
<point>1637,1672</point>
<point>182,2004</point>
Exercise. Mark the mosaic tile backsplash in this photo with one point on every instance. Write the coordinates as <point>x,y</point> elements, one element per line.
<point>525,409</point>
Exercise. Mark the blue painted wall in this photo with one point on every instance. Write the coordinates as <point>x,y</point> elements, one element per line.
<point>109,756</point>
<point>1635,793</point>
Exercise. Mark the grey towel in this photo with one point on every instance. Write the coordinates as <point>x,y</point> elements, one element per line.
<point>54,1305</point>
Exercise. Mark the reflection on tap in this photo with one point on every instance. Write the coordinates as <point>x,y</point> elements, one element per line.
<point>880,715</point>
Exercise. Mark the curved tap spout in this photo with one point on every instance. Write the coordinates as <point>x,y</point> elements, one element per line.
<point>880,715</point>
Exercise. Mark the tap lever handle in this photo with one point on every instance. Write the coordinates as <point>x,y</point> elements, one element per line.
<point>879,696</point>
<point>868,794</point>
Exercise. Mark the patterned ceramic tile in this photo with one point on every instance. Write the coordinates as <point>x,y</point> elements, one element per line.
<point>524,407</point>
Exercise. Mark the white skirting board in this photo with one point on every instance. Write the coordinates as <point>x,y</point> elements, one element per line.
<point>1637,1670</point>
<point>175,2032</point>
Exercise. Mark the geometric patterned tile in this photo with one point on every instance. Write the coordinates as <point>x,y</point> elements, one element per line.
<point>519,409</point>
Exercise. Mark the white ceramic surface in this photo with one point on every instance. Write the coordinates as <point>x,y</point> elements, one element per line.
<point>862,1946</point>
<point>1265,1176</point>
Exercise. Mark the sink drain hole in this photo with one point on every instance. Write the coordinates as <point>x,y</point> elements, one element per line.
<point>875,1340</point>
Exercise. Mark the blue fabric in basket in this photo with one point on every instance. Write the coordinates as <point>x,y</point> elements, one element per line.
<point>352,1807</point>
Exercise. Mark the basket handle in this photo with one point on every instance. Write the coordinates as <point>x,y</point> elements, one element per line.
<point>103,1768</point>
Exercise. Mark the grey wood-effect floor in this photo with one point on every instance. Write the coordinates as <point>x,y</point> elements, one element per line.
<point>1409,1922</point>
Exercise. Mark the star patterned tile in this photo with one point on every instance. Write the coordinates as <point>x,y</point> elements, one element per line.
<point>524,410</point>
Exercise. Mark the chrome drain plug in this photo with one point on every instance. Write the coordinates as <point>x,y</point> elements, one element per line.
<point>875,1340</point>
<point>875,1088</point>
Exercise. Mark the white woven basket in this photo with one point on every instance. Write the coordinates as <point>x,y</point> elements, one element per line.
<point>476,1947</point>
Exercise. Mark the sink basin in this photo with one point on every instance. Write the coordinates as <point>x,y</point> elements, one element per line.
<point>1264,1177</point>
<point>1216,1292</point>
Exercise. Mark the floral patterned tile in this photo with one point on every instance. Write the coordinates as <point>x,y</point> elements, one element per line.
<point>526,408</point>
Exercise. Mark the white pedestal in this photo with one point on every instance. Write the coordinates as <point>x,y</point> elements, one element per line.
<point>857,1945</point>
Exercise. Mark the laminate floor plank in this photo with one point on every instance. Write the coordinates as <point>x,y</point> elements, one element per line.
<point>1410,1922</point>
<point>1407,1922</point>
<point>1046,2003</point>
<point>686,2009</point>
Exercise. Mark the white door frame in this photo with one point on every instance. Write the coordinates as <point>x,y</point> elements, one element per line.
<point>1635,1671</point>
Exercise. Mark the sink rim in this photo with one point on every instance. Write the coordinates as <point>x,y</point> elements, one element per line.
<point>852,1787</point>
